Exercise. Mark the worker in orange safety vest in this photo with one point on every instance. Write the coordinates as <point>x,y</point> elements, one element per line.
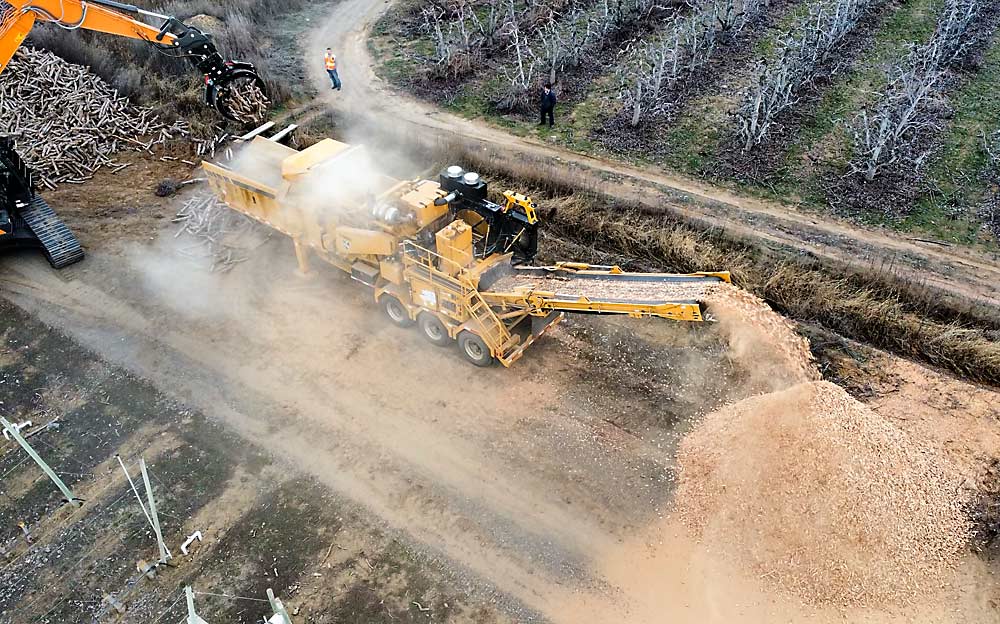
<point>330,62</point>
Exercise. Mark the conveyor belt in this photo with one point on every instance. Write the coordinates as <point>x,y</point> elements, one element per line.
<point>606,290</point>
<point>605,285</point>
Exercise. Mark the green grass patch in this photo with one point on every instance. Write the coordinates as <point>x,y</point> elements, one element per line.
<point>470,103</point>
<point>823,142</point>
<point>957,171</point>
<point>689,144</point>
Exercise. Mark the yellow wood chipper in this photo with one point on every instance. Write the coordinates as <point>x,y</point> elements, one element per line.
<point>438,254</point>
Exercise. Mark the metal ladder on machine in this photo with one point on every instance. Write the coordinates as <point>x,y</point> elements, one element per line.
<point>493,331</point>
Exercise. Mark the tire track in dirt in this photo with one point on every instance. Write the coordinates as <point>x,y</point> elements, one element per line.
<point>959,271</point>
<point>435,450</point>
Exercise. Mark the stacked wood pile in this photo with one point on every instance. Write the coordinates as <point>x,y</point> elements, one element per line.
<point>68,123</point>
<point>817,494</point>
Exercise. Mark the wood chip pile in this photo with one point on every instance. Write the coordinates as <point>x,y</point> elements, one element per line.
<point>819,495</point>
<point>68,123</point>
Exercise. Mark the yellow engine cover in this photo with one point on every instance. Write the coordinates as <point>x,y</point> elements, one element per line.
<point>454,245</point>
<point>360,242</point>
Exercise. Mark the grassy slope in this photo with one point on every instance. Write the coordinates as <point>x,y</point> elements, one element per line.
<point>956,173</point>
<point>821,147</point>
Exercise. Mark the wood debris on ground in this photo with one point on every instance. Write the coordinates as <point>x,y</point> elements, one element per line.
<point>221,233</point>
<point>822,497</point>
<point>68,123</point>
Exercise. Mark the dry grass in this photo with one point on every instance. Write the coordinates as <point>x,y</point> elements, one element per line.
<point>808,291</point>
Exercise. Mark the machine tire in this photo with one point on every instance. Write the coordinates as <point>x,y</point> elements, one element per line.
<point>395,311</point>
<point>433,330</point>
<point>474,349</point>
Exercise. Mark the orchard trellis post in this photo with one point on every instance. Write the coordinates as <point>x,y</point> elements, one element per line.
<point>150,513</point>
<point>16,434</point>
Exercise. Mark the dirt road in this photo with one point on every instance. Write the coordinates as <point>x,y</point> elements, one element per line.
<point>952,269</point>
<point>483,477</point>
<point>534,487</point>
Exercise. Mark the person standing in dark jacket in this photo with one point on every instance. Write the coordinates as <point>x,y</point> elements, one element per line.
<point>548,105</point>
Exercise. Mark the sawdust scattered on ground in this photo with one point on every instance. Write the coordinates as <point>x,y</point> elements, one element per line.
<point>822,497</point>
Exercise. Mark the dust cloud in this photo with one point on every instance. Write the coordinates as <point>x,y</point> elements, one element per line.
<point>183,283</point>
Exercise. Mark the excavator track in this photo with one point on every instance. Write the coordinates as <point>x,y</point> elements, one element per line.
<point>57,241</point>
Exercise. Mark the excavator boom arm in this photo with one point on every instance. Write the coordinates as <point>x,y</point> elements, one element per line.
<point>94,15</point>
<point>223,79</point>
<point>14,28</point>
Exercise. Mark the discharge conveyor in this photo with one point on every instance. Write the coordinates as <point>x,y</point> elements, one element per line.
<point>583,288</point>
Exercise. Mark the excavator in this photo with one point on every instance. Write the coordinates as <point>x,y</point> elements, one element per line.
<point>25,219</point>
<point>224,80</point>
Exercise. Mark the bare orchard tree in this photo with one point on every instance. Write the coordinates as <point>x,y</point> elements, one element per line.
<point>773,91</point>
<point>882,137</point>
<point>488,25</point>
<point>521,73</point>
<point>614,16</point>
<point>953,30</point>
<point>804,50</point>
<point>436,25</point>
<point>654,71</point>
<point>554,47</point>
<point>457,39</point>
<point>564,42</point>
<point>989,209</point>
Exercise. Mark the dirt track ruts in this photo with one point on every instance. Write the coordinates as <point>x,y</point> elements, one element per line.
<point>960,271</point>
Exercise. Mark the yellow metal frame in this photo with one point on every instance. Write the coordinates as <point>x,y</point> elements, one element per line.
<point>540,303</point>
<point>592,269</point>
<point>425,281</point>
<point>525,202</point>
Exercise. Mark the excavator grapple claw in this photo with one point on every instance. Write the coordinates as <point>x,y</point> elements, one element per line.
<point>233,88</point>
<point>238,94</point>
